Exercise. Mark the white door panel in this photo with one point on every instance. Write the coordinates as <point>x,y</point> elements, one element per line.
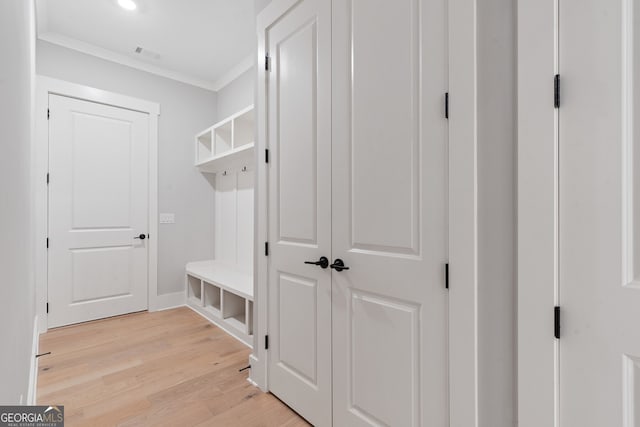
<point>98,202</point>
<point>389,213</point>
<point>357,171</point>
<point>299,141</point>
<point>599,212</point>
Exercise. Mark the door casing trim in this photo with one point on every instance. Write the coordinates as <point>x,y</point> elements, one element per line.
<point>537,213</point>
<point>463,218</point>
<point>39,165</point>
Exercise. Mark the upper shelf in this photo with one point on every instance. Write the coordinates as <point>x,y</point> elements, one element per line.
<point>231,159</point>
<point>227,144</point>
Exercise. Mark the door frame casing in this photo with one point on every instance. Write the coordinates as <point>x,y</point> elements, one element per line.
<point>46,86</point>
<point>537,212</point>
<point>463,222</point>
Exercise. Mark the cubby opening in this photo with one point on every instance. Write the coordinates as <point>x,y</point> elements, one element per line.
<point>233,310</point>
<point>212,298</point>
<point>244,129</point>
<point>249,317</point>
<point>223,135</point>
<point>194,288</point>
<point>205,149</point>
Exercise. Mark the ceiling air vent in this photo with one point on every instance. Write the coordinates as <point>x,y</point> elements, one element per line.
<point>147,53</point>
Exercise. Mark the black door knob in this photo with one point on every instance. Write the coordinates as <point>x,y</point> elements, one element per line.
<point>322,262</point>
<point>338,265</point>
<point>141,237</point>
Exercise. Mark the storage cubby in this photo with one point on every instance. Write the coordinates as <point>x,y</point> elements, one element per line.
<point>249,317</point>
<point>227,145</point>
<point>233,310</point>
<point>227,296</point>
<point>194,289</point>
<point>204,148</point>
<point>243,129</point>
<point>212,298</point>
<point>223,138</point>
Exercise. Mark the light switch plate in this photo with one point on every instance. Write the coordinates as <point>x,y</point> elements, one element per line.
<point>167,218</point>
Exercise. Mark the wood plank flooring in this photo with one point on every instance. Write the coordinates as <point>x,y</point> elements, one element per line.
<point>168,368</point>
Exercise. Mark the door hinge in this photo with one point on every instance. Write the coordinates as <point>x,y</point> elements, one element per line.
<point>47,307</point>
<point>556,91</point>
<point>47,243</point>
<point>266,248</point>
<point>446,275</point>
<point>446,105</point>
<point>48,113</point>
<point>266,342</point>
<point>267,62</point>
<point>47,177</point>
<point>556,321</point>
<point>266,155</point>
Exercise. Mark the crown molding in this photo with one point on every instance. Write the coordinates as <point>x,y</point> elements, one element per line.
<point>122,59</point>
<point>242,67</point>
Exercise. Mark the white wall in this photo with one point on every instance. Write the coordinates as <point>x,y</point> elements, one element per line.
<point>17,308</point>
<point>237,95</point>
<point>497,212</point>
<point>184,111</point>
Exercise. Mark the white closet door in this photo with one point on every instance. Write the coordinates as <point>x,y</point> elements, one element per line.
<point>98,204</point>
<point>389,213</point>
<point>299,140</point>
<point>599,203</point>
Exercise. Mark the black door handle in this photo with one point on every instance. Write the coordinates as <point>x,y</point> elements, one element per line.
<point>141,237</point>
<point>338,265</point>
<point>322,262</point>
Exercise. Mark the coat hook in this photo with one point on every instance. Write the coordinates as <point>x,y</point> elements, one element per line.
<point>224,173</point>
<point>244,169</point>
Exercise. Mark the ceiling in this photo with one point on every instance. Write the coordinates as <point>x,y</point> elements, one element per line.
<point>201,42</point>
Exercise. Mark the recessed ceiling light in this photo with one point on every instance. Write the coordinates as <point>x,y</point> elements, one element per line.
<point>127,4</point>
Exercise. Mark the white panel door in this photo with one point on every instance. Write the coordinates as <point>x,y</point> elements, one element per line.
<point>389,213</point>
<point>599,173</point>
<point>98,205</point>
<point>299,140</point>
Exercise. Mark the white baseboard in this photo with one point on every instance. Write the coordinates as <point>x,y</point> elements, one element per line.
<point>33,371</point>
<point>256,377</point>
<point>167,301</point>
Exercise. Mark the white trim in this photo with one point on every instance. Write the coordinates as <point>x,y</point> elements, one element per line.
<point>40,155</point>
<point>463,339</point>
<point>154,300</point>
<point>260,357</point>
<point>245,65</point>
<point>256,370</point>
<point>126,60</point>
<point>170,301</point>
<point>463,215</point>
<point>537,213</point>
<point>33,371</point>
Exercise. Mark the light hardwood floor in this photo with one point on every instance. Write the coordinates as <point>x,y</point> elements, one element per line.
<point>168,368</point>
